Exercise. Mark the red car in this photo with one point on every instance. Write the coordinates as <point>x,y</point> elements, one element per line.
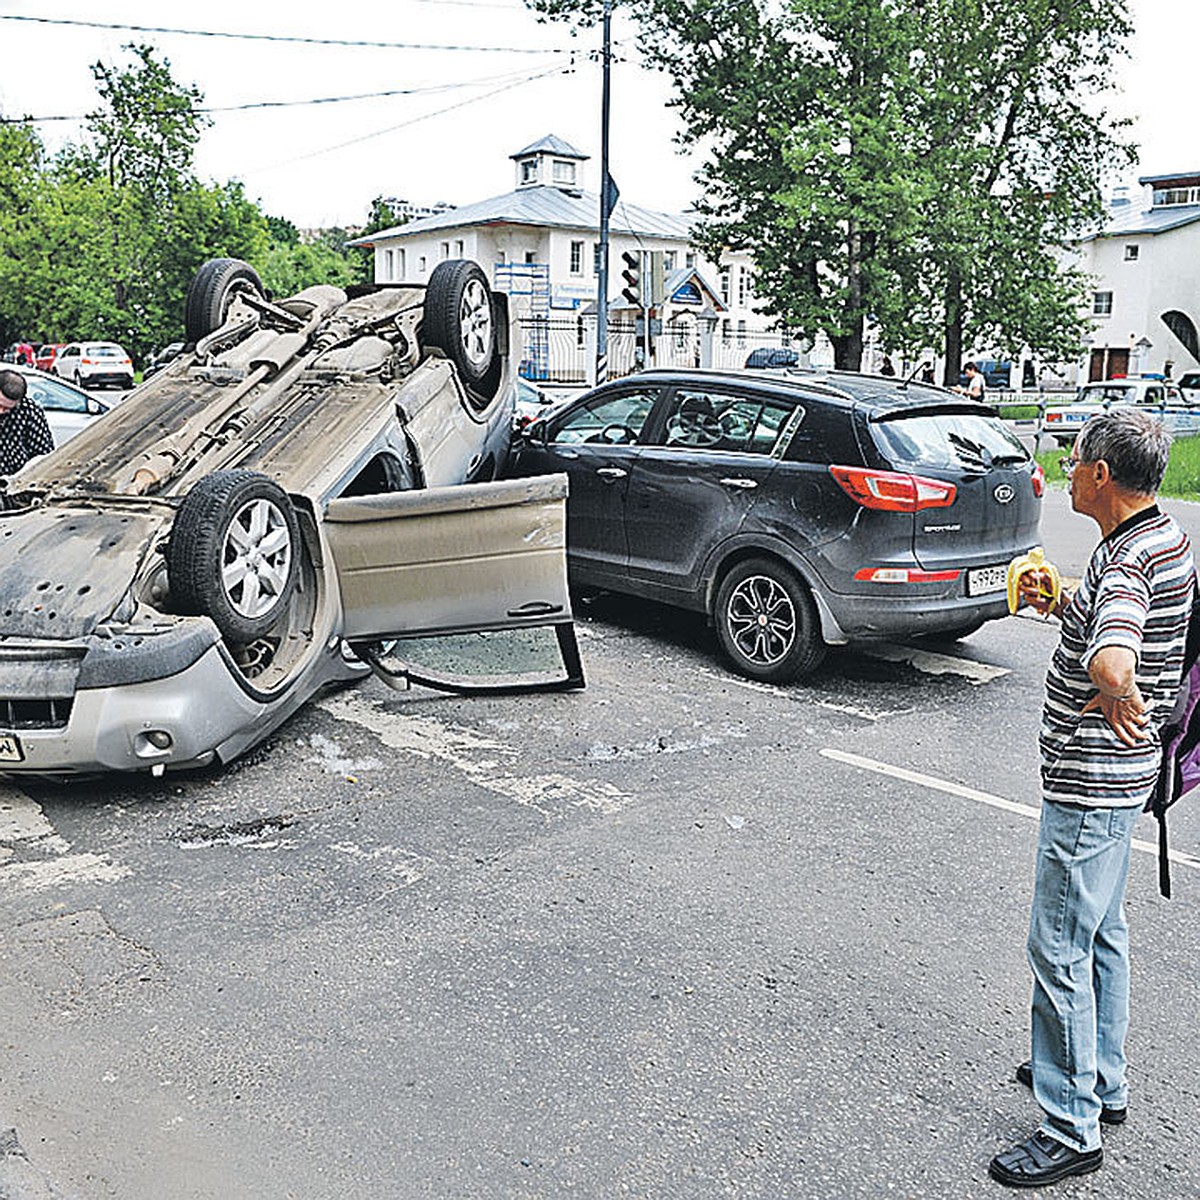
<point>46,356</point>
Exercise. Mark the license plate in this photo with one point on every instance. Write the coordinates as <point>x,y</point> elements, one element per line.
<point>10,748</point>
<point>984,580</point>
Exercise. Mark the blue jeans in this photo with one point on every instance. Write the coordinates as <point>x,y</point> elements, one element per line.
<point>1079,951</point>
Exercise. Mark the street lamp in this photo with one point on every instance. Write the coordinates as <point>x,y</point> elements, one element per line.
<point>706,318</point>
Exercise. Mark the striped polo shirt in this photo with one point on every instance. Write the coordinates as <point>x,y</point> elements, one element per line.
<point>1137,592</point>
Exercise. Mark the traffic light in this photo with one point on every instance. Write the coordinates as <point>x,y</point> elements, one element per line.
<point>632,277</point>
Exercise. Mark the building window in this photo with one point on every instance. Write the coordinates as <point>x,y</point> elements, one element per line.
<point>1131,253</point>
<point>421,266</point>
<point>725,332</point>
<point>530,256</point>
<point>580,333</point>
<point>529,170</point>
<point>444,250</point>
<point>668,260</point>
<point>723,275</point>
<point>564,172</point>
<point>389,265</point>
<point>576,258</point>
<point>743,287</point>
<point>458,248</point>
<point>741,331</point>
<point>689,261</point>
<point>1102,304</point>
<point>401,268</point>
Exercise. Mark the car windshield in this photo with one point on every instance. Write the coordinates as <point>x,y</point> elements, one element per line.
<point>948,440</point>
<point>54,396</point>
<point>1109,393</point>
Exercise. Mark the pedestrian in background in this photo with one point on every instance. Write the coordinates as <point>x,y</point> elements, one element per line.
<point>1110,686</point>
<point>24,431</point>
<point>976,385</point>
<point>886,367</point>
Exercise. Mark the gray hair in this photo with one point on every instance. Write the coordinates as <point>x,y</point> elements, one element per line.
<point>1135,445</point>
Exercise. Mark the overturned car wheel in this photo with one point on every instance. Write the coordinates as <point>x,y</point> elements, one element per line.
<point>459,321</point>
<point>233,554</point>
<point>214,286</point>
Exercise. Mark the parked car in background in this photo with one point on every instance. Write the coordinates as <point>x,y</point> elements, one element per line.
<point>1189,385</point>
<point>94,364</point>
<point>998,374</point>
<point>44,360</point>
<point>69,410</point>
<point>765,357</point>
<point>1064,421</point>
<point>798,511</point>
<point>276,511</point>
<point>161,359</point>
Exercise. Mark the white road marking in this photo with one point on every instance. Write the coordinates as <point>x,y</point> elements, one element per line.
<point>957,789</point>
<point>481,759</point>
<point>933,663</point>
<point>23,823</point>
<point>803,696</point>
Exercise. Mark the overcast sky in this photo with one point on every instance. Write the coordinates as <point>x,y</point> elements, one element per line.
<point>466,111</point>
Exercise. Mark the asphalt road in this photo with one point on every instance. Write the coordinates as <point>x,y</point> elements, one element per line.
<point>677,935</point>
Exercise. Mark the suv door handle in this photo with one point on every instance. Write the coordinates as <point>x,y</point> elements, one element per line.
<point>611,472</point>
<point>746,485</point>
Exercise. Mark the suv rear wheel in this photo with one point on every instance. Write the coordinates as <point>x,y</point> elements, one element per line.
<point>767,622</point>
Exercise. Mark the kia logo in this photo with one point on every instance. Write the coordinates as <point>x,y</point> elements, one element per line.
<point>1004,493</point>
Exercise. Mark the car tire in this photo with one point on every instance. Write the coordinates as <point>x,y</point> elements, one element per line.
<point>767,622</point>
<point>234,553</point>
<point>459,320</point>
<point>208,296</point>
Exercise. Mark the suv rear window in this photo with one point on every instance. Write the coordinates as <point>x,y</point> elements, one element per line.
<point>951,440</point>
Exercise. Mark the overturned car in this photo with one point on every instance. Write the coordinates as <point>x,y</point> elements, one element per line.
<point>279,509</point>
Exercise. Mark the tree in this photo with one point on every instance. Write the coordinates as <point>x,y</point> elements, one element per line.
<point>894,163</point>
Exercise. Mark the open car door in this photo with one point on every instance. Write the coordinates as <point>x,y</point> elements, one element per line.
<point>459,588</point>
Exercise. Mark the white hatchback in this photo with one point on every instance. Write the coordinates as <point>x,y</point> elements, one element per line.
<point>68,409</point>
<point>94,364</point>
<point>1064,421</point>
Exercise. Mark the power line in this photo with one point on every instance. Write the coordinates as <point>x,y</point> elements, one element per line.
<point>366,137</point>
<point>270,104</point>
<point>280,37</point>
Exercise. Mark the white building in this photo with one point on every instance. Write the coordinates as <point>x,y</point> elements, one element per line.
<point>1145,263</point>
<point>540,244</point>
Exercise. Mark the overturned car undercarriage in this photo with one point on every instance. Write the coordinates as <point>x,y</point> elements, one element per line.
<point>280,508</point>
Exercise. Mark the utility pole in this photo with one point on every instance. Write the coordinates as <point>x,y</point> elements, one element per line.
<point>606,205</point>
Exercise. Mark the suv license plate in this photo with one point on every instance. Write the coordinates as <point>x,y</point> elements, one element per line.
<point>10,748</point>
<point>985,580</point>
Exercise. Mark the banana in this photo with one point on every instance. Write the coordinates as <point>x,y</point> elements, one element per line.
<point>1035,560</point>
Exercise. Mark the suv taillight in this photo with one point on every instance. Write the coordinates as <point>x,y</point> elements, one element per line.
<point>893,491</point>
<point>1038,479</point>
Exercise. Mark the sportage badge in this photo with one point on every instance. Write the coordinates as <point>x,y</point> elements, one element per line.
<point>1004,493</point>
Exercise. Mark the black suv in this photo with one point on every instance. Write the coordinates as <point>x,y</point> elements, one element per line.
<point>798,511</point>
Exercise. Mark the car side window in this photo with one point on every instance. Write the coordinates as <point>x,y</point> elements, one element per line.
<point>711,420</point>
<point>1154,395</point>
<point>54,397</point>
<point>615,420</point>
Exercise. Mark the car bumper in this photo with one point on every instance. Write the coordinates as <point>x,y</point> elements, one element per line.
<point>198,710</point>
<point>103,377</point>
<point>898,616</point>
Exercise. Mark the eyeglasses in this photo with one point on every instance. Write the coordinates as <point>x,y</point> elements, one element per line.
<point>1068,465</point>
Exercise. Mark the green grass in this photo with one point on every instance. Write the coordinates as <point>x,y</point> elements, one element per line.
<point>1182,479</point>
<point>1017,412</point>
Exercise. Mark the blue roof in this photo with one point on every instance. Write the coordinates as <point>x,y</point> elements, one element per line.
<point>552,144</point>
<point>543,205</point>
<point>1155,220</point>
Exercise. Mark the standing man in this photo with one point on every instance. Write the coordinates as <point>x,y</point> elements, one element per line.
<point>976,388</point>
<point>24,431</point>
<point>1111,683</point>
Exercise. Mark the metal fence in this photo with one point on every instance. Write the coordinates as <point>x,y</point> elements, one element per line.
<point>563,349</point>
